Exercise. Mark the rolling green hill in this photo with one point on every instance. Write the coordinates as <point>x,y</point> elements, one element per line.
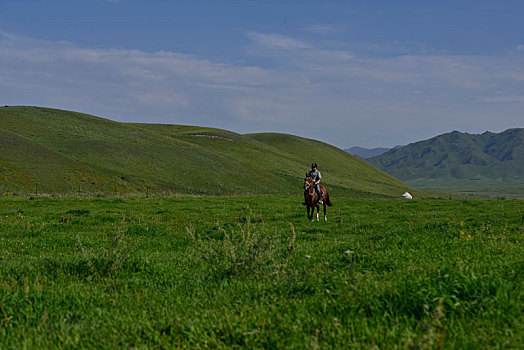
<point>490,163</point>
<point>56,151</point>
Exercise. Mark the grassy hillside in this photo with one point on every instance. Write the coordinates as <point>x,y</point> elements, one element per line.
<point>490,163</point>
<point>60,151</point>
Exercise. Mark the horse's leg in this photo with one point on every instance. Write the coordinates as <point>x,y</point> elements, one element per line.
<point>325,216</point>
<point>318,212</point>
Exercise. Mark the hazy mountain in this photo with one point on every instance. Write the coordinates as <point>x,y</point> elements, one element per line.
<point>365,153</point>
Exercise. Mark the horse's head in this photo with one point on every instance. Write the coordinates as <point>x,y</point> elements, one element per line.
<point>308,182</point>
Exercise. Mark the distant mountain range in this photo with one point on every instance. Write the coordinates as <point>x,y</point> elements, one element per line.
<point>485,163</point>
<point>365,153</point>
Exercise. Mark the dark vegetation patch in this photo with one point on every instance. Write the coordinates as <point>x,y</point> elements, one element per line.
<point>78,212</point>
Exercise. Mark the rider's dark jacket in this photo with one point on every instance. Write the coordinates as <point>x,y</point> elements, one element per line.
<point>315,175</point>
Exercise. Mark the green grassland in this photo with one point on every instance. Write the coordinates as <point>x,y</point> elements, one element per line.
<point>54,151</point>
<point>473,188</point>
<point>252,272</point>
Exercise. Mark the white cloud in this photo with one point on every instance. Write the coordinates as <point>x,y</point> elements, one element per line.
<point>337,96</point>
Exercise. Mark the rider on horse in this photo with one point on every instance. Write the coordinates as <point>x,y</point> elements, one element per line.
<point>315,175</point>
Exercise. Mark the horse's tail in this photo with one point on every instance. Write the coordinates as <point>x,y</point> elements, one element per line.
<point>328,202</point>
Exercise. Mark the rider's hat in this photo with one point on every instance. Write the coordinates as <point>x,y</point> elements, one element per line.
<point>314,165</point>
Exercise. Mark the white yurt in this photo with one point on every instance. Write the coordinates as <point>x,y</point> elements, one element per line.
<point>406,195</point>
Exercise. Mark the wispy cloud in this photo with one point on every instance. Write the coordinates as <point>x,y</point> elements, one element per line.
<point>505,99</point>
<point>276,41</point>
<point>322,28</point>
<point>334,95</point>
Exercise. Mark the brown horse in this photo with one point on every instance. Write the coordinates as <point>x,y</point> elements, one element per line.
<point>311,198</point>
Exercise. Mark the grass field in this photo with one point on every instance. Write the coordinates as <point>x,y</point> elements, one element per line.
<point>486,189</point>
<point>197,272</point>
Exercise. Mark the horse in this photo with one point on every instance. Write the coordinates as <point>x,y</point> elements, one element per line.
<point>311,198</point>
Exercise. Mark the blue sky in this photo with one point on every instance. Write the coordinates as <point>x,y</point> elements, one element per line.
<point>367,73</point>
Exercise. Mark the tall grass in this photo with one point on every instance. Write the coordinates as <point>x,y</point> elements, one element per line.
<point>254,272</point>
